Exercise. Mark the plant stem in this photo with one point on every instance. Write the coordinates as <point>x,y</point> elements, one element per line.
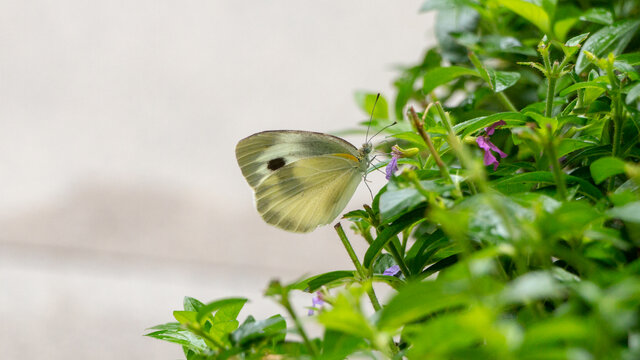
<point>506,102</point>
<point>361,272</point>
<point>287,305</point>
<point>551,90</point>
<point>390,246</point>
<point>555,165</point>
<point>419,126</point>
<point>398,258</point>
<point>618,123</point>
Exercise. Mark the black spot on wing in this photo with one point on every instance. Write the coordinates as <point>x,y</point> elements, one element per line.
<point>275,164</point>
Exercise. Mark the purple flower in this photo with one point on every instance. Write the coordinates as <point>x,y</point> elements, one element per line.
<point>485,144</point>
<point>491,129</point>
<point>392,271</point>
<point>392,167</point>
<point>316,303</point>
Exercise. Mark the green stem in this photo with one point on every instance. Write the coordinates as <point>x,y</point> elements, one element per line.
<point>390,246</point>
<point>361,272</point>
<point>558,175</point>
<point>551,90</point>
<point>506,102</point>
<point>444,171</point>
<point>445,120</point>
<point>363,276</point>
<point>618,123</point>
<point>310,346</point>
<point>398,258</point>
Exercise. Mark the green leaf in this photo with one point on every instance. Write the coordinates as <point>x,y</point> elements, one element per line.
<point>564,20</point>
<point>598,15</point>
<point>411,137</point>
<point>572,45</point>
<point>366,100</point>
<point>502,80</point>
<point>450,23</point>
<point>185,317</point>
<point>439,265</point>
<point>191,304</point>
<point>442,75</point>
<point>553,331</point>
<point>569,220</point>
<point>535,285</point>
<point>252,330</point>
<point>219,304</point>
<point>629,212</point>
<point>544,178</point>
<point>405,308</point>
<point>175,333</point>
<point>224,321</point>
<point>428,249</point>
<point>568,145</point>
<point>456,332</point>
<point>392,281</point>
<point>430,5</point>
<point>531,12</point>
<point>632,59</point>
<point>318,281</point>
<point>338,345</point>
<point>576,40</point>
<point>633,94</point>
<point>606,167</point>
<point>397,201</point>
<point>390,231</point>
<point>346,316</point>
<point>382,263</point>
<point>543,121</point>
<point>497,44</point>
<point>614,38</point>
<point>584,85</point>
<point>473,125</point>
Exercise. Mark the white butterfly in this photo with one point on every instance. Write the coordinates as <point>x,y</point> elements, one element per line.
<point>301,179</point>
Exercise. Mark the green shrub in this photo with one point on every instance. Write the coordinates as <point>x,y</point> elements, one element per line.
<point>512,230</point>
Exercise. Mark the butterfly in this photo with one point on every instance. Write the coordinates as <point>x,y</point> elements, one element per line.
<point>301,179</point>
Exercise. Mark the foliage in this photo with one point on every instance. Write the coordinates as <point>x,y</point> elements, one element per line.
<point>533,257</point>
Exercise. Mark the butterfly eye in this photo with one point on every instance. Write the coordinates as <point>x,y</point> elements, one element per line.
<point>275,164</point>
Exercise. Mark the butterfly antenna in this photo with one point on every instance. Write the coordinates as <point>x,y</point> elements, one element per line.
<point>383,129</point>
<point>371,117</point>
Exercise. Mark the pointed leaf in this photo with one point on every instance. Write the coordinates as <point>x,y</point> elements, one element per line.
<point>598,15</point>
<point>502,80</point>
<point>606,167</point>
<point>629,212</point>
<point>612,38</point>
<point>390,231</point>
<point>366,102</point>
<point>531,12</point>
<point>442,75</point>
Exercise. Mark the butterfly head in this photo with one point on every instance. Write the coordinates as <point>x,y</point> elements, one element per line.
<point>363,153</point>
<point>366,148</point>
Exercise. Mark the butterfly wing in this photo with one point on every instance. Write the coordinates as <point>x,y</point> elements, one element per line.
<point>308,192</point>
<point>261,154</point>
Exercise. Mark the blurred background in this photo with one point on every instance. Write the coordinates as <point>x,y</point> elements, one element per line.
<point>119,188</point>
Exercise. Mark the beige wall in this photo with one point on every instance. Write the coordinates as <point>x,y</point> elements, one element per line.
<point>119,190</point>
